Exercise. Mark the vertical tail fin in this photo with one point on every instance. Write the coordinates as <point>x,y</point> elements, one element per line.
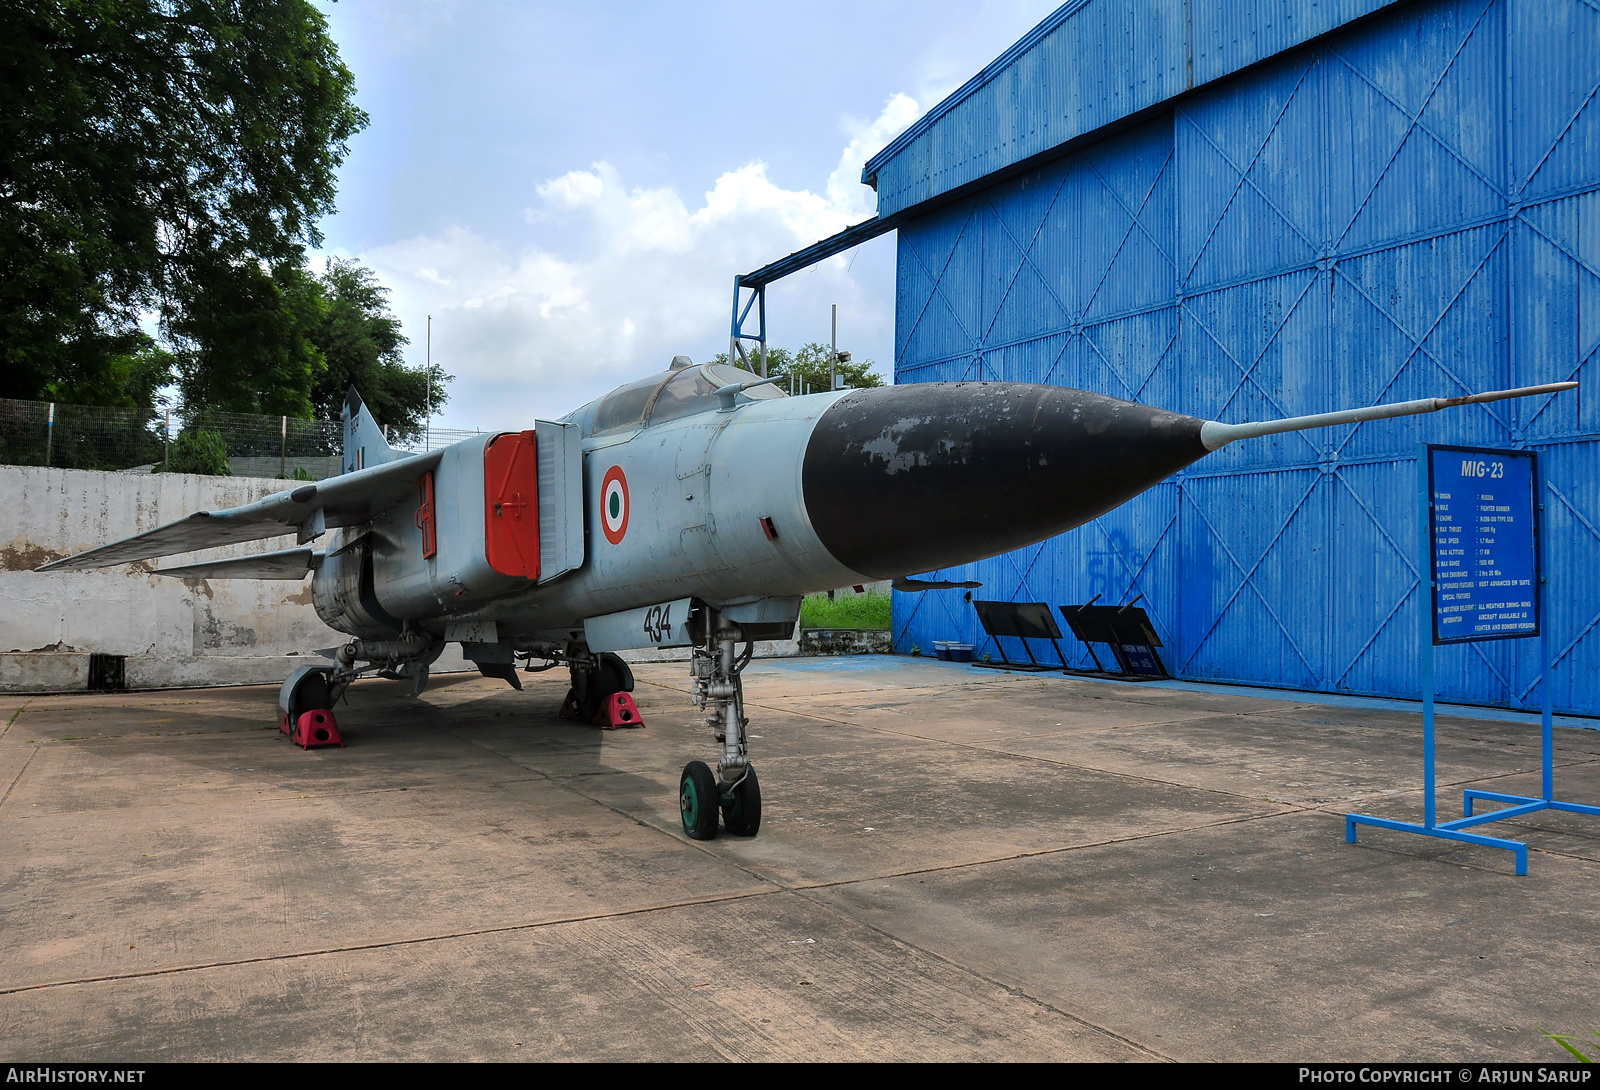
<point>364,442</point>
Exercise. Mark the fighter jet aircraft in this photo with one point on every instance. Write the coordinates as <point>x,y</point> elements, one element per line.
<point>693,508</point>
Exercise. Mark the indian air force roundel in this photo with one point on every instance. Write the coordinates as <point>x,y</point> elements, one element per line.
<point>614,505</point>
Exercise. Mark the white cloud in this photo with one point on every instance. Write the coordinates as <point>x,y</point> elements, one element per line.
<point>539,331</point>
<point>845,190</point>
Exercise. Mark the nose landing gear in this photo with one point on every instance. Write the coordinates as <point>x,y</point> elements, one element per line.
<point>735,791</point>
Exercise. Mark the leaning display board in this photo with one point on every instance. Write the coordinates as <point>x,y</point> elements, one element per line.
<point>1023,621</point>
<point>1128,632</point>
<point>1481,554</point>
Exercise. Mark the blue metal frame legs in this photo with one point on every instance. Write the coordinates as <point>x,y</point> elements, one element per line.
<point>737,334</point>
<point>1452,830</point>
<point>1443,832</point>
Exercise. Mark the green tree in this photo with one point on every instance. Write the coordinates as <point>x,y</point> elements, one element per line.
<point>126,379</point>
<point>171,155</point>
<point>810,366</point>
<point>246,339</point>
<point>361,342</point>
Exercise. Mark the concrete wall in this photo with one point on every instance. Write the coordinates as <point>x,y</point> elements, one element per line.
<point>174,632</point>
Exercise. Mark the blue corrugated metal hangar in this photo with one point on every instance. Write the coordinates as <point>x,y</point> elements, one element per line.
<point>1251,209</point>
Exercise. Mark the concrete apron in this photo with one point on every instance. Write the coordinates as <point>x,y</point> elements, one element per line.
<point>952,864</point>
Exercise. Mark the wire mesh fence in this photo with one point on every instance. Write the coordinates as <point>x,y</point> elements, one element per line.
<point>36,433</point>
<point>434,439</point>
<point>39,433</point>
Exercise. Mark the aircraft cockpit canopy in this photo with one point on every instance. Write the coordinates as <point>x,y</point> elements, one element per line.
<point>677,393</point>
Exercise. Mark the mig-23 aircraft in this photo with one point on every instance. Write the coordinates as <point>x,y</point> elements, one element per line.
<point>693,508</point>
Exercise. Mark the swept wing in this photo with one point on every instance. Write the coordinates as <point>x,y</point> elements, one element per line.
<point>347,500</point>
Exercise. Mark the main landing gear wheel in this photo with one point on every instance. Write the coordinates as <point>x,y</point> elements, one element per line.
<point>697,801</point>
<point>610,675</point>
<point>741,806</point>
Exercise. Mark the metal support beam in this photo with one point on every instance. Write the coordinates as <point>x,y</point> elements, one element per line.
<point>834,244</point>
<point>755,283</point>
<point>737,334</point>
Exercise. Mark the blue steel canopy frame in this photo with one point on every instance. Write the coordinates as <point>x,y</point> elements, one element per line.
<point>1517,805</point>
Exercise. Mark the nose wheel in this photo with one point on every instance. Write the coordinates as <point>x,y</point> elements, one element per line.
<point>697,801</point>
<point>741,805</point>
<point>701,798</point>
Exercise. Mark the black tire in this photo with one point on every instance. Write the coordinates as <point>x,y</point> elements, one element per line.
<point>311,694</point>
<point>610,675</point>
<point>617,673</point>
<point>697,801</point>
<point>741,807</point>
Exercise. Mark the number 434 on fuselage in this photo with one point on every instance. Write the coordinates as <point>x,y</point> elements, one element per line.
<point>693,508</point>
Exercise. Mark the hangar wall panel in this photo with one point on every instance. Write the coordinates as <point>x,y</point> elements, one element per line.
<point>1089,64</point>
<point>1408,209</point>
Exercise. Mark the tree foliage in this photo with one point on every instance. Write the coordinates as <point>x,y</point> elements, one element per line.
<point>172,155</point>
<point>290,343</point>
<point>361,342</point>
<point>245,340</point>
<point>810,366</point>
<point>198,450</point>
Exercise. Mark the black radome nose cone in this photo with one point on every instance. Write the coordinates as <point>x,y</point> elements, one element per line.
<point>915,478</point>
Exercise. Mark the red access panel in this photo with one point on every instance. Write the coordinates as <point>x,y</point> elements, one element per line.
<point>511,504</point>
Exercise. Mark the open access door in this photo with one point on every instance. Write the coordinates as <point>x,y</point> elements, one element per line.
<point>560,498</point>
<point>511,504</point>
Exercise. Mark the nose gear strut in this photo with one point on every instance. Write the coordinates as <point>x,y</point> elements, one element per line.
<point>735,792</point>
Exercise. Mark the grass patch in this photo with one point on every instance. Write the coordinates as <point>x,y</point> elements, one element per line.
<point>17,714</point>
<point>870,611</point>
<point>1565,1041</point>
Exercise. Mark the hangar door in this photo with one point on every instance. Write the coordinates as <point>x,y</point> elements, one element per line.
<point>1406,210</point>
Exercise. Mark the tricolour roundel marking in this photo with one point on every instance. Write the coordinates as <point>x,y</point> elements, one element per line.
<point>614,505</point>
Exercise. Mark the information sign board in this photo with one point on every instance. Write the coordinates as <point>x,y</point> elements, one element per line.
<point>1484,543</point>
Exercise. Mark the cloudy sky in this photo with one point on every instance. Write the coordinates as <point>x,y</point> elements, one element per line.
<point>569,188</point>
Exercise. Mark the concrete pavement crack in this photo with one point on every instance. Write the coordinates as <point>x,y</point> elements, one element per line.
<point>389,944</point>
<point>16,715</point>
<point>34,753</point>
<point>1010,989</point>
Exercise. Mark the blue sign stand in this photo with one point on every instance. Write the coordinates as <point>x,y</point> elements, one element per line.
<point>1482,553</point>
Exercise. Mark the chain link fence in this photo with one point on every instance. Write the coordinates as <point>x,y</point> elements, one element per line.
<point>39,433</point>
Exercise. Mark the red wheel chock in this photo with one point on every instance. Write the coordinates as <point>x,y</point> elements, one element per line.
<point>314,728</point>
<point>619,710</point>
<point>569,708</point>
